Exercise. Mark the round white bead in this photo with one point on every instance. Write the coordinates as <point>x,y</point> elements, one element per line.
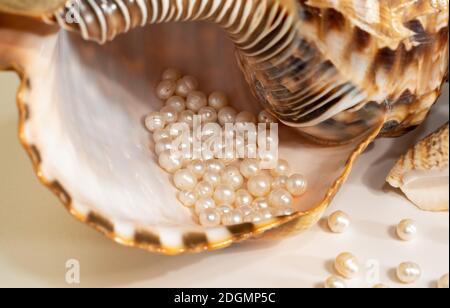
<point>249,168</point>
<point>254,217</point>
<point>260,204</point>
<point>335,282</point>
<point>186,85</point>
<point>233,218</point>
<point>266,214</point>
<point>296,185</point>
<point>443,282</point>
<point>169,162</point>
<point>187,116</point>
<point>203,204</point>
<point>407,230</point>
<point>204,189</point>
<point>208,114</point>
<point>280,198</point>
<point>225,209</point>
<point>283,211</point>
<point>210,218</point>
<point>224,194</point>
<point>282,168</point>
<point>259,186</point>
<point>184,180</point>
<point>154,121</point>
<point>347,265</point>
<point>197,167</point>
<point>170,114</point>
<point>227,115</point>
<point>196,100</point>
<point>165,89</point>
<point>212,177</point>
<point>187,198</point>
<point>232,176</point>
<point>215,165</point>
<point>165,144</point>
<point>243,198</point>
<point>176,102</point>
<point>160,134</point>
<point>280,182</point>
<point>408,272</point>
<point>338,222</point>
<point>218,100</point>
<point>171,74</point>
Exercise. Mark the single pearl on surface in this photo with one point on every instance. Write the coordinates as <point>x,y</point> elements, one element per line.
<point>443,282</point>
<point>225,209</point>
<point>165,144</point>
<point>212,177</point>
<point>335,282</point>
<point>266,117</point>
<point>196,100</point>
<point>161,134</point>
<point>165,89</point>
<point>280,198</point>
<point>280,182</point>
<point>407,230</point>
<point>245,117</point>
<point>249,168</point>
<point>347,265</point>
<point>184,180</point>
<point>197,167</point>
<point>232,176</point>
<point>186,85</point>
<point>260,204</point>
<point>187,116</point>
<point>243,198</point>
<point>203,204</point>
<point>259,186</point>
<point>154,121</point>
<point>204,189</point>
<point>338,222</point>
<point>218,100</point>
<point>170,114</point>
<point>187,198</point>
<point>215,165</point>
<point>224,194</point>
<point>234,218</point>
<point>227,115</point>
<point>282,168</point>
<point>296,185</point>
<point>169,162</point>
<point>208,114</point>
<point>171,74</point>
<point>380,286</point>
<point>176,102</point>
<point>408,272</point>
<point>210,218</point>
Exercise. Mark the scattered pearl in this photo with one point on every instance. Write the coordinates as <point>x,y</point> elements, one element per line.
<point>232,176</point>
<point>196,100</point>
<point>227,115</point>
<point>409,272</point>
<point>170,114</point>
<point>407,230</point>
<point>338,222</point>
<point>265,117</point>
<point>218,100</point>
<point>296,185</point>
<point>187,198</point>
<point>260,204</point>
<point>165,89</point>
<point>165,144</point>
<point>155,121</point>
<point>203,204</point>
<point>224,194</point>
<point>160,134</point>
<point>176,102</point>
<point>186,85</point>
<point>171,74</point>
<point>208,114</point>
<point>280,198</point>
<point>215,165</point>
<point>347,265</point>
<point>187,116</point>
<point>243,198</point>
<point>443,282</point>
<point>334,282</point>
<point>234,218</point>
<point>259,186</point>
<point>225,209</point>
<point>197,167</point>
<point>380,286</point>
<point>210,218</point>
<point>212,177</point>
<point>245,117</point>
<point>204,189</point>
<point>280,182</point>
<point>249,168</point>
<point>169,162</point>
<point>281,169</point>
<point>184,180</point>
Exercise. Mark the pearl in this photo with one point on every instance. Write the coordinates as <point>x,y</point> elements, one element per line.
<point>204,189</point>
<point>184,180</point>
<point>338,222</point>
<point>224,194</point>
<point>245,117</point>
<point>260,204</point>
<point>284,211</point>
<point>197,167</point>
<point>160,134</point>
<point>210,218</point>
<point>203,204</point>
<point>225,209</point>
<point>212,177</point>
<point>186,85</point>
<point>282,168</point>
<point>380,286</point>
<point>218,100</point>
<point>165,89</point>
<point>187,116</point>
<point>176,102</point>
<point>296,185</point>
<point>334,282</point>
<point>266,214</point>
<point>246,210</point>
<point>254,217</point>
<point>215,165</point>
<point>280,198</point>
<point>259,186</point>
<point>407,230</point>
<point>187,198</point>
<point>154,121</point>
<point>170,163</point>
<point>227,115</point>
<point>280,182</point>
<point>243,198</point>
<point>347,265</point>
<point>234,218</point>
<point>408,272</point>
<point>165,144</point>
<point>232,176</point>
<point>443,282</point>
<point>265,117</point>
<point>249,168</point>
<point>196,100</point>
<point>171,74</point>
<point>170,114</point>
<point>208,114</point>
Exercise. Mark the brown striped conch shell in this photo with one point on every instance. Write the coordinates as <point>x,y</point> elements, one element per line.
<point>337,73</point>
<point>422,173</point>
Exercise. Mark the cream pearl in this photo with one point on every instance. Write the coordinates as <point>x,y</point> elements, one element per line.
<point>249,168</point>
<point>280,198</point>
<point>338,222</point>
<point>443,282</point>
<point>259,186</point>
<point>227,115</point>
<point>187,198</point>
<point>186,85</point>
<point>254,217</point>
<point>231,176</point>
<point>296,185</point>
<point>165,89</point>
<point>225,209</point>
<point>165,144</point>
<point>203,204</point>
<point>347,265</point>
<point>210,218</point>
<point>266,214</point>
<point>243,198</point>
<point>171,74</point>
<point>212,177</point>
<point>170,114</point>
<point>407,230</point>
<point>204,189</point>
<point>335,282</point>
<point>197,167</point>
<point>187,116</point>
<point>246,210</point>
<point>265,117</point>
<point>281,169</point>
<point>283,211</point>
<point>184,180</point>
<point>260,204</point>
<point>208,114</point>
<point>218,100</point>
<point>160,134</point>
<point>233,218</point>
<point>408,272</point>
<point>176,102</point>
<point>224,194</point>
<point>245,117</point>
<point>215,165</point>
<point>196,100</point>
<point>170,162</point>
<point>154,121</point>
<point>280,182</point>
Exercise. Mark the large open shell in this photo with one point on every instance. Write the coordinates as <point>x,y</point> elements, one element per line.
<point>81,107</point>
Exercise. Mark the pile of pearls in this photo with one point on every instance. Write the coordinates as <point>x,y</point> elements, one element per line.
<point>218,191</point>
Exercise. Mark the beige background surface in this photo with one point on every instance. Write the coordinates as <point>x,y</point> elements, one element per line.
<point>37,236</point>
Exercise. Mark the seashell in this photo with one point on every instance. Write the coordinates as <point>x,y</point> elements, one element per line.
<point>423,174</point>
